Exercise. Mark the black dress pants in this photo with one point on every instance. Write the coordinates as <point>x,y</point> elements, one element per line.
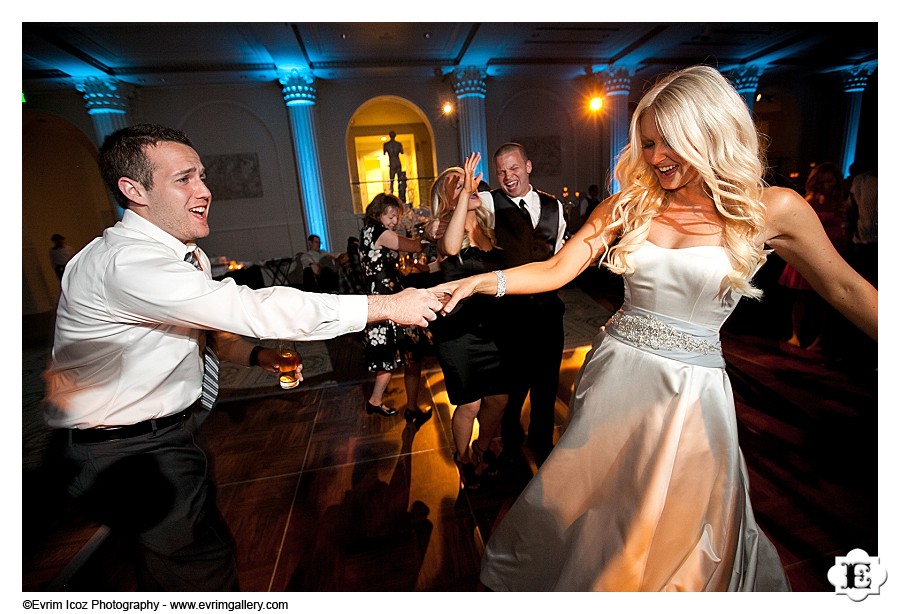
<point>532,344</point>
<point>154,488</point>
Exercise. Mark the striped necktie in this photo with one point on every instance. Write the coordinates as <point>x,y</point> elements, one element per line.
<point>210,388</point>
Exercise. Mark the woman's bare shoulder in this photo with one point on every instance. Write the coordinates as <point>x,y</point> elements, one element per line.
<point>786,211</point>
<point>777,197</point>
<point>781,201</point>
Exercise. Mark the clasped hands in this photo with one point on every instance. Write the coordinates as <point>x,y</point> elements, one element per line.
<point>419,306</point>
<point>452,292</point>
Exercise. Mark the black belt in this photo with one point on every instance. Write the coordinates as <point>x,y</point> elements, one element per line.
<point>112,433</point>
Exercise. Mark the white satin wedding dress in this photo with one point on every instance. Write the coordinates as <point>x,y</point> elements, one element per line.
<point>647,488</point>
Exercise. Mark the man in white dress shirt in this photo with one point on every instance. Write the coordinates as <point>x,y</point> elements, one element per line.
<point>126,370</point>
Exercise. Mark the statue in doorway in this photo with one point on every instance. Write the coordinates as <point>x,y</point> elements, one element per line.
<point>401,186</point>
<point>393,149</point>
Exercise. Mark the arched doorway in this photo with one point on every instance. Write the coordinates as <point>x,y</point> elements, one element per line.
<point>62,192</point>
<point>369,168</point>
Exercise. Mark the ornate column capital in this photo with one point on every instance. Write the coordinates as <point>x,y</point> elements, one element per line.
<point>469,81</point>
<point>103,96</point>
<point>856,78</point>
<point>298,88</point>
<point>746,78</point>
<point>617,80</point>
<point>853,82</point>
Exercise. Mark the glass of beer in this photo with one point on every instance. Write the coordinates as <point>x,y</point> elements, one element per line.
<point>288,364</point>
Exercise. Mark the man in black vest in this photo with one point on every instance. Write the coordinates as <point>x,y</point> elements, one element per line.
<point>530,227</point>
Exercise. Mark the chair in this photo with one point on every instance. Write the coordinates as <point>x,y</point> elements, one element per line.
<point>279,268</point>
<point>295,272</point>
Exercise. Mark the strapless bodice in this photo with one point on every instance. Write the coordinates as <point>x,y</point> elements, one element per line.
<point>687,284</point>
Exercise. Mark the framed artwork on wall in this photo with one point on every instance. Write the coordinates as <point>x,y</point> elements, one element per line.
<point>233,176</point>
<point>545,153</point>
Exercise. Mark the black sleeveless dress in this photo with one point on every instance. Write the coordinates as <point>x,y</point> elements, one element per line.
<point>466,346</point>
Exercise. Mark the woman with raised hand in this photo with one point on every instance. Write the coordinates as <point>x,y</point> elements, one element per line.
<point>475,377</point>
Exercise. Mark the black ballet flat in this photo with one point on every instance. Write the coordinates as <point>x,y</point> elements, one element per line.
<point>417,417</point>
<point>382,409</point>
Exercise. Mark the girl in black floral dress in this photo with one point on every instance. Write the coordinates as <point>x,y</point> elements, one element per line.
<point>387,345</point>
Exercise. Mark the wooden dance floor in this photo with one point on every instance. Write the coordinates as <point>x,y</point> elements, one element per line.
<point>320,496</point>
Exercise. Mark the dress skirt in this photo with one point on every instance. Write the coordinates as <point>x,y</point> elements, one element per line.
<point>646,490</point>
<point>468,354</point>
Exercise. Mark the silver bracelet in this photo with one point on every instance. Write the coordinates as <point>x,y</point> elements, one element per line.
<point>501,283</point>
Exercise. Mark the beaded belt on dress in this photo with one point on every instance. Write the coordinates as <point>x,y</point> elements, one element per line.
<point>666,337</point>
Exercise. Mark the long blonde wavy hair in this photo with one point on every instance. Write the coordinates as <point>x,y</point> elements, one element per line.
<point>705,121</point>
<point>442,200</point>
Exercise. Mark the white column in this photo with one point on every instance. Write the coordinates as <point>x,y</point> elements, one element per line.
<point>470,89</point>
<point>617,87</point>
<point>299,92</point>
<point>106,101</point>
<point>854,83</point>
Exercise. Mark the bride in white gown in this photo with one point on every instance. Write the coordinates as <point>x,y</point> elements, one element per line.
<point>647,489</point>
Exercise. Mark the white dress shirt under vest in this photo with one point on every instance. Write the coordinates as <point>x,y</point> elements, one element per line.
<point>533,205</point>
